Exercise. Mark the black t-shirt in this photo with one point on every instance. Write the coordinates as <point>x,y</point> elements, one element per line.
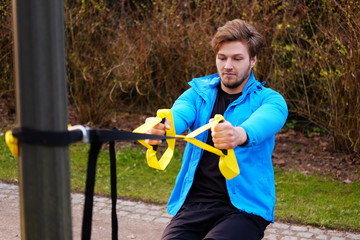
<point>209,184</point>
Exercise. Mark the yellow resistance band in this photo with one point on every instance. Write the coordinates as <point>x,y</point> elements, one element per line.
<point>12,143</point>
<point>227,164</point>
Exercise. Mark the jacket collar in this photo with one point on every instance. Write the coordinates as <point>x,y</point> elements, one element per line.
<point>205,84</point>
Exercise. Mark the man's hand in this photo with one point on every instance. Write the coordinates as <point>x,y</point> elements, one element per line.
<point>225,136</point>
<point>158,129</point>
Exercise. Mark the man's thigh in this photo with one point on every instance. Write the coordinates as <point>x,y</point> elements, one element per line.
<point>192,222</point>
<point>214,221</point>
<point>175,231</point>
<point>237,227</point>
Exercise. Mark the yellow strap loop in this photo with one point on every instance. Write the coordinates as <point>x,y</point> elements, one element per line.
<point>227,164</point>
<point>151,153</point>
<point>12,143</point>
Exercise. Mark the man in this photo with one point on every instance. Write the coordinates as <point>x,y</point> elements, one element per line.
<point>205,204</point>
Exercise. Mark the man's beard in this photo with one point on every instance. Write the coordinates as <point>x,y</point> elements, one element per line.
<point>238,82</point>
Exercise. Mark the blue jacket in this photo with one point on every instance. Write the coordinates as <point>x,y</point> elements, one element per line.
<point>261,112</point>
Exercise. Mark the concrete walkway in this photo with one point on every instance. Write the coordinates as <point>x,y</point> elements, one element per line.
<point>138,220</point>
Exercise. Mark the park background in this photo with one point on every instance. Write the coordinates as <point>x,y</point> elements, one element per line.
<point>126,59</point>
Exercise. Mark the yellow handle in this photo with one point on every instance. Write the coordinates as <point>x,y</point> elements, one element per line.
<point>151,153</point>
<point>227,164</point>
<point>12,143</point>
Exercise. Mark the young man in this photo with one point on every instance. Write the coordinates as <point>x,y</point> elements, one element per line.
<point>205,204</point>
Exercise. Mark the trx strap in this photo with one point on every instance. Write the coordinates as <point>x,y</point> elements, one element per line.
<point>114,221</point>
<point>227,163</point>
<point>227,160</point>
<point>89,190</point>
<point>151,150</point>
<point>57,138</point>
<point>96,138</point>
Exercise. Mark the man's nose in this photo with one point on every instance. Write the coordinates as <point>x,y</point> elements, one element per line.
<point>228,64</point>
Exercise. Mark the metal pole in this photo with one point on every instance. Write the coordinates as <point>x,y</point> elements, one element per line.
<point>44,172</point>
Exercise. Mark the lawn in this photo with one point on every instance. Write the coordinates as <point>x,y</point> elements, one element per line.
<point>315,200</point>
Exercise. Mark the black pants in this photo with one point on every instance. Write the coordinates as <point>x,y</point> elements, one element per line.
<point>218,221</point>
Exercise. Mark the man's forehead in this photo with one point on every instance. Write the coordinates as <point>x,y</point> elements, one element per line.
<point>233,48</point>
<point>232,54</point>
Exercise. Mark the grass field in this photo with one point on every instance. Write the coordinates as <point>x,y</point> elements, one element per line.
<point>315,200</point>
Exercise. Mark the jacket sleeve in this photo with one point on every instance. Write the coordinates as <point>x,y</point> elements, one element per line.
<point>268,119</point>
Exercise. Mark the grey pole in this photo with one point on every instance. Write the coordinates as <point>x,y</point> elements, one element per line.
<point>41,94</point>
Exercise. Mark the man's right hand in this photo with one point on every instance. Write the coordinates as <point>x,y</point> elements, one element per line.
<point>158,129</point>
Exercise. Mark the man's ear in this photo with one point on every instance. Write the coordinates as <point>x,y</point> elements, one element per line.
<point>252,62</point>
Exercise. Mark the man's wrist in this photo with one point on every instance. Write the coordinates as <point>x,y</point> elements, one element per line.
<point>243,137</point>
<point>246,142</point>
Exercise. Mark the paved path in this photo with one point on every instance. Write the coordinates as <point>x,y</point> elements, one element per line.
<point>138,220</point>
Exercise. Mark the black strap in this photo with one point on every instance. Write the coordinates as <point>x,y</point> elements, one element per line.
<point>63,138</point>
<point>114,221</point>
<point>96,138</point>
<point>89,190</point>
<point>49,138</point>
<point>119,135</point>
<point>155,147</point>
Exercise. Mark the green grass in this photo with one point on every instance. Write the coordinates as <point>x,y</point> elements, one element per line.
<point>315,200</point>
<point>8,163</point>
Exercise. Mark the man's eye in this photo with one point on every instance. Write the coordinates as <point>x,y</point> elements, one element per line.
<point>238,59</point>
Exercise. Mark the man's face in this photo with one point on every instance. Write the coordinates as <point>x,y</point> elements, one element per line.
<point>234,65</point>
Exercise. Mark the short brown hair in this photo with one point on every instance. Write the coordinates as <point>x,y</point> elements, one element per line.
<point>238,30</point>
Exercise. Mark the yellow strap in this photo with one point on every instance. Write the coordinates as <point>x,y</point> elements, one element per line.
<point>227,164</point>
<point>12,143</point>
<point>151,153</point>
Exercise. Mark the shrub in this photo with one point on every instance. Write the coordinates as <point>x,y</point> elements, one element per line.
<point>315,59</point>
<point>7,82</point>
